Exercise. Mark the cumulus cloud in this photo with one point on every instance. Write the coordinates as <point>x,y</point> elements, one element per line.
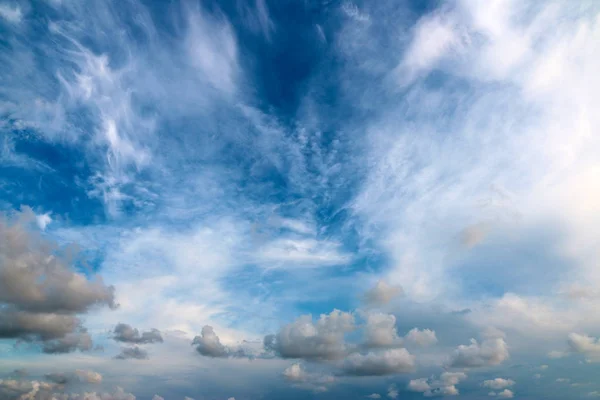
<point>586,345</point>
<point>27,390</point>
<point>505,394</point>
<point>209,344</point>
<point>127,334</point>
<point>297,375</point>
<point>387,362</point>
<point>134,352</point>
<point>380,330</point>
<point>303,338</point>
<point>40,294</point>
<point>382,293</point>
<point>498,383</point>
<point>444,386</point>
<point>423,338</point>
<point>374,396</point>
<point>491,351</point>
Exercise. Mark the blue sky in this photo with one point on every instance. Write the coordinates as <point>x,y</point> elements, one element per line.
<point>313,199</point>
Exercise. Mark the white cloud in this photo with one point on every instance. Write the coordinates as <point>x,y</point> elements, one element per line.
<point>423,338</point>
<point>380,330</point>
<point>505,394</point>
<point>586,345</point>
<point>392,392</point>
<point>305,339</point>
<point>10,13</point>
<point>374,396</point>
<point>301,252</point>
<point>382,293</point>
<point>444,386</point>
<point>296,374</point>
<point>386,362</point>
<point>498,383</point>
<point>491,351</point>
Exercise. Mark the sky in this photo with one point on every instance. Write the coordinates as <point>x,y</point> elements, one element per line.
<point>299,199</point>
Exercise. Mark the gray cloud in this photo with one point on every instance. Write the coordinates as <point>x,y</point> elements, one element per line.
<point>133,352</point>
<point>86,376</point>
<point>40,294</point>
<point>209,344</point>
<point>127,334</point>
<point>393,361</point>
<point>305,339</point>
<point>71,342</point>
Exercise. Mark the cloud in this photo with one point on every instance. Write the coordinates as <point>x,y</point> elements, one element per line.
<point>423,338</point>
<point>40,293</point>
<point>70,342</point>
<point>374,396</point>
<point>382,293</point>
<point>86,376</point>
<point>11,14</point>
<point>35,279</point>
<point>505,394</point>
<point>380,331</point>
<point>491,351</point>
<point>498,383</point>
<point>157,397</point>
<point>313,341</point>
<point>127,334</point>
<point>133,352</point>
<point>119,394</point>
<point>444,386</point>
<point>387,362</point>
<point>392,391</point>
<point>25,390</point>
<point>208,343</point>
<point>586,345</point>
<point>296,374</point>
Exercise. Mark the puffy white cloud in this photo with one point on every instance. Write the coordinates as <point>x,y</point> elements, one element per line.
<point>505,394</point>
<point>423,338</point>
<point>387,362</point>
<point>380,330</point>
<point>374,396</point>
<point>498,383</point>
<point>491,351</point>
<point>382,293</point>
<point>444,386</point>
<point>586,345</point>
<point>296,374</point>
<point>305,339</point>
